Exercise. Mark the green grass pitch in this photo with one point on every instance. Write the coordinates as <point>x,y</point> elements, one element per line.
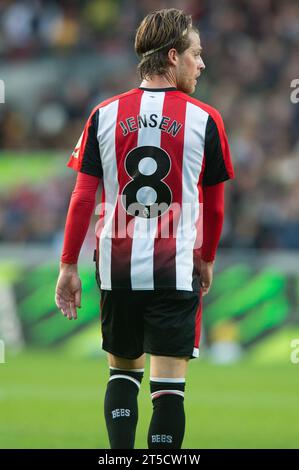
<point>49,400</point>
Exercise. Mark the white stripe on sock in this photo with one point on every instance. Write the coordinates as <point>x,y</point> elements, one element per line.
<point>127,370</point>
<point>120,376</point>
<point>170,392</point>
<point>166,380</point>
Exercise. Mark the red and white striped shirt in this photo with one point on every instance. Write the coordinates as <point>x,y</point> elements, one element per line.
<point>154,150</point>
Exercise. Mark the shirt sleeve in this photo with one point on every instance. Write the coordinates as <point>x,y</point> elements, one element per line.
<point>86,156</point>
<point>213,216</point>
<point>218,163</point>
<point>78,218</point>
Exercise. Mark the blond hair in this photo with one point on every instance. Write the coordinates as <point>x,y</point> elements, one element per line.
<point>158,32</point>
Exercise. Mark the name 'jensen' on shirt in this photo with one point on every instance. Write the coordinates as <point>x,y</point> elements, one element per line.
<point>165,123</point>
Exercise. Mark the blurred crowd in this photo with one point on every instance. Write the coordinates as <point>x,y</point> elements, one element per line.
<point>251,52</point>
<point>35,212</point>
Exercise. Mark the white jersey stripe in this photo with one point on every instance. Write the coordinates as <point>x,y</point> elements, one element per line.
<point>106,138</point>
<point>142,257</point>
<point>195,124</point>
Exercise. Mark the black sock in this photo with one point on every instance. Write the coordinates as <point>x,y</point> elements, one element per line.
<point>121,410</point>
<point>167,427</point>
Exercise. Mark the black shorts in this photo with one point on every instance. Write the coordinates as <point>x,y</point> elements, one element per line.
<point>162,322</point>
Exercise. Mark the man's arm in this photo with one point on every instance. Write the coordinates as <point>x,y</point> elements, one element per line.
<point>68,288</point>
<point>78,218</point>
<point>213,216</point>
<point>218,168</point>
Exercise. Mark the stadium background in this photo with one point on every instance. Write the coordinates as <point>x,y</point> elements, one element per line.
<point>59,59</point>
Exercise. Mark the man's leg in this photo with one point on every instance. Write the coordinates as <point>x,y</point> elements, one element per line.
<point>121,409</point>
<point>167,384</point>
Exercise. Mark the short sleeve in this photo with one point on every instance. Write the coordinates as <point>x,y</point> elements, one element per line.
<point>86,156</point>
<point>218,163</point>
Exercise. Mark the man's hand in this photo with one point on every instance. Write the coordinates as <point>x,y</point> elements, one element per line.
<point>206,275</point>
<point>68,291</point>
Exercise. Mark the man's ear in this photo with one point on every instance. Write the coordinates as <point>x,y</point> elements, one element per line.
<point>173,56</point>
